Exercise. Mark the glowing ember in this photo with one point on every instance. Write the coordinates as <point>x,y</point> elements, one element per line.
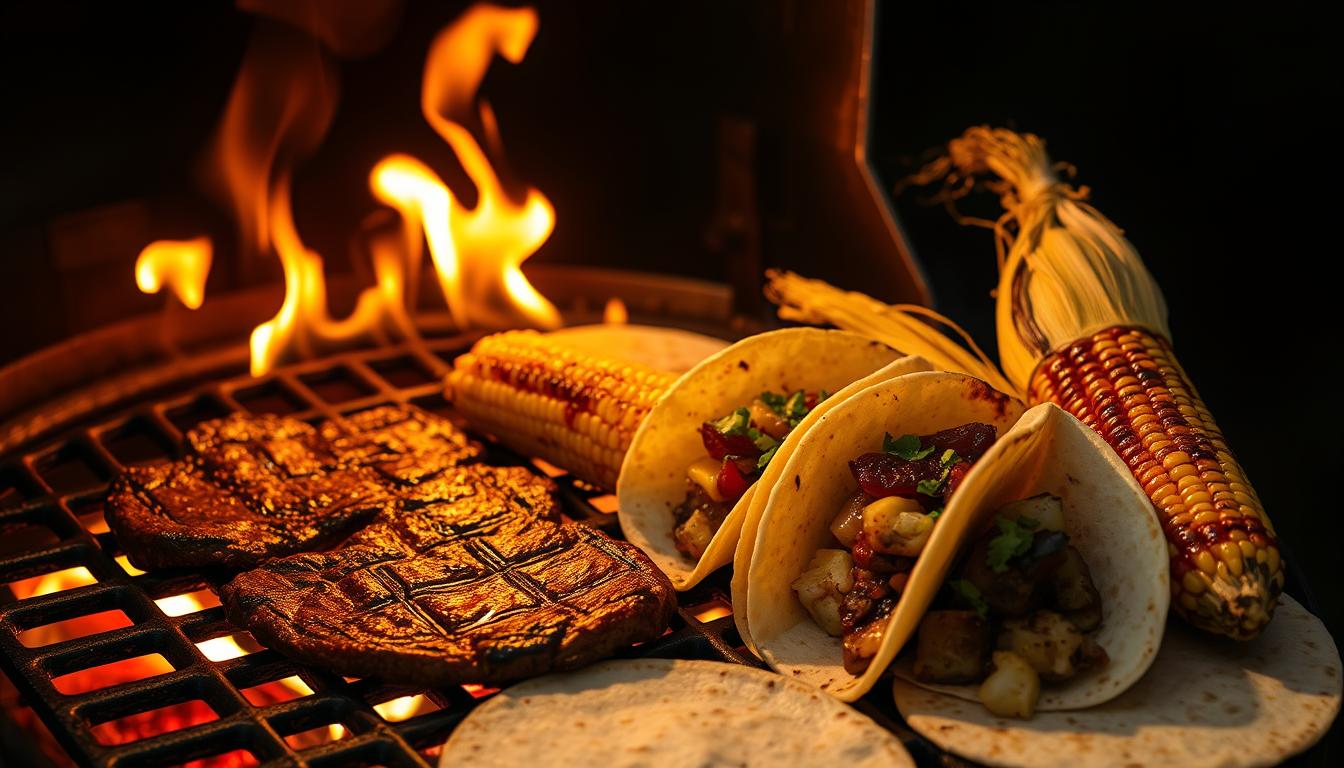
<point>182,265</point>
<point>477,252</point>
<point>615,313</point>
<point>173,717</point>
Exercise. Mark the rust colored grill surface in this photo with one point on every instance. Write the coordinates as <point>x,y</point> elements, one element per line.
<point>51,497</point>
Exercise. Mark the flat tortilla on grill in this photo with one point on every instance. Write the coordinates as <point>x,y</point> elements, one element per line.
<point>254,487</point>
<point>646,712</point>
<point>483,584</point>
<point>1206,701</point>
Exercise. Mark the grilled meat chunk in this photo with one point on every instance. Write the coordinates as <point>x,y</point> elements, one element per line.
<point>254,487</point>
<point>483,584</point>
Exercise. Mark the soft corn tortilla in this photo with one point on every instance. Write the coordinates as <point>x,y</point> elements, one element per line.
<point>751,518</point>
<point>1206,701</point>
<point>648,712</point>
<point>1110,519</point>
<point>653,476</point>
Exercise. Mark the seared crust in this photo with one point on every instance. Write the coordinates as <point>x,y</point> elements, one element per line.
<point>256,487</point>
<point>442,571</point>
<point>483,584</point>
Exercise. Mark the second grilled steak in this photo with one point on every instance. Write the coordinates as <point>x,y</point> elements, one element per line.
<point>482,584</point>
<point>255,487</point>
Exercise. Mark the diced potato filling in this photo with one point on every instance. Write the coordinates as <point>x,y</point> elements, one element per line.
<point>1012,689</point>
<point>896,526</point>
<point>1045,640</point>
<point>822,587</point>
<point>953,647</point>
<point>694,534</point>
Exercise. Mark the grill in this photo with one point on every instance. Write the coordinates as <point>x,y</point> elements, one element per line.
<point>51,521</point>
<point>51,496</point>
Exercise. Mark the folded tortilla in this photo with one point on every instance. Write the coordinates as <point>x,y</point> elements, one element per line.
<point>1205,702</point>
<point>653,476</point>
<point>1109,519</point>
<point>755,506</point>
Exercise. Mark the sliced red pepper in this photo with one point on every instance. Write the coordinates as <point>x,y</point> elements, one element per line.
<point>721,446</point>
<point>732,483</point>
<point>955,474</point>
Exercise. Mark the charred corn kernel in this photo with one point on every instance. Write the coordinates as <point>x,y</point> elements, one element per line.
<point>1193,582</point>
<point>1222,542</point>
<point>568,408</point>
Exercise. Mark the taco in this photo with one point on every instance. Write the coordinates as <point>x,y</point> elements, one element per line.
<point>1205,702</point>
<point>755,504</point>
<point>1050,544</point>
<point>693,465</point>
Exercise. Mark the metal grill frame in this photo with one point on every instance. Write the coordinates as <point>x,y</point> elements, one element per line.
<point>261,730</point>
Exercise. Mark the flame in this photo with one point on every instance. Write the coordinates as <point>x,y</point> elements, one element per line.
<point>182,265</point>
<point>615,312</point>
<point>498,235</point>
<point>278,112</point>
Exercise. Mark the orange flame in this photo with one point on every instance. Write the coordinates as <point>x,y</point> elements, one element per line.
<point>278,112</point>
<point>182,265</point>
<point>495,237</point>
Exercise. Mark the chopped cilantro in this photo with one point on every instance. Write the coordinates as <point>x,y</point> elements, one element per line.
<point>930,487</point>
<point>762,440</point>
<point>774,401</point>
<point>934,513</point>
<point>796,407</point>
<point>1013,540</point>
<point>766,457</point>
<point>735,423</point>
<point>949,458</point>
<point>966,593</point>
<point>906,446</point>
<point>821,397</point>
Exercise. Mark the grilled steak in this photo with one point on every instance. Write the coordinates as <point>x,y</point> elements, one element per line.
<point>436,570</point>
<point>255,487</point>
<point>483,584</point>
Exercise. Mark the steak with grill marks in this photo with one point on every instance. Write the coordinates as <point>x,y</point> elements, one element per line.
<point>256,487</point>
<point>482,584</point>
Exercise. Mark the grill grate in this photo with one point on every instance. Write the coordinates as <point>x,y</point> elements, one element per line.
<point>51,521</point>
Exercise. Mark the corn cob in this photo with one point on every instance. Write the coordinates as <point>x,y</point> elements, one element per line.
<point>1125,384</point>
<point>568,408</point>
<point>1082,323</point>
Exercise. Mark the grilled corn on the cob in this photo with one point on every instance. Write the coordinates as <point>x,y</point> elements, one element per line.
<point>560,405</point>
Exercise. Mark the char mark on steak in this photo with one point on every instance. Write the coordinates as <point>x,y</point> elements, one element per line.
<point>257,487</point>
<point>482,584</point>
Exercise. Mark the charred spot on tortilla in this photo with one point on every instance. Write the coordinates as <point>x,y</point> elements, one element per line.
<point>743,365</point>
<point>797,482</point>
<point>979,390</point>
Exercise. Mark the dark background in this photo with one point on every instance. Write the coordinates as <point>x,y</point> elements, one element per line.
<point>1202,132</point>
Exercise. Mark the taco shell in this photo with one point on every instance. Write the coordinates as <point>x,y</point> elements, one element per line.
<point>653,476</point>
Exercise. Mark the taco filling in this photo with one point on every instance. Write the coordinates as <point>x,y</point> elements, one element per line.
<point>1016,614</point>
<point>851,589</point>
<point>738,448</point>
